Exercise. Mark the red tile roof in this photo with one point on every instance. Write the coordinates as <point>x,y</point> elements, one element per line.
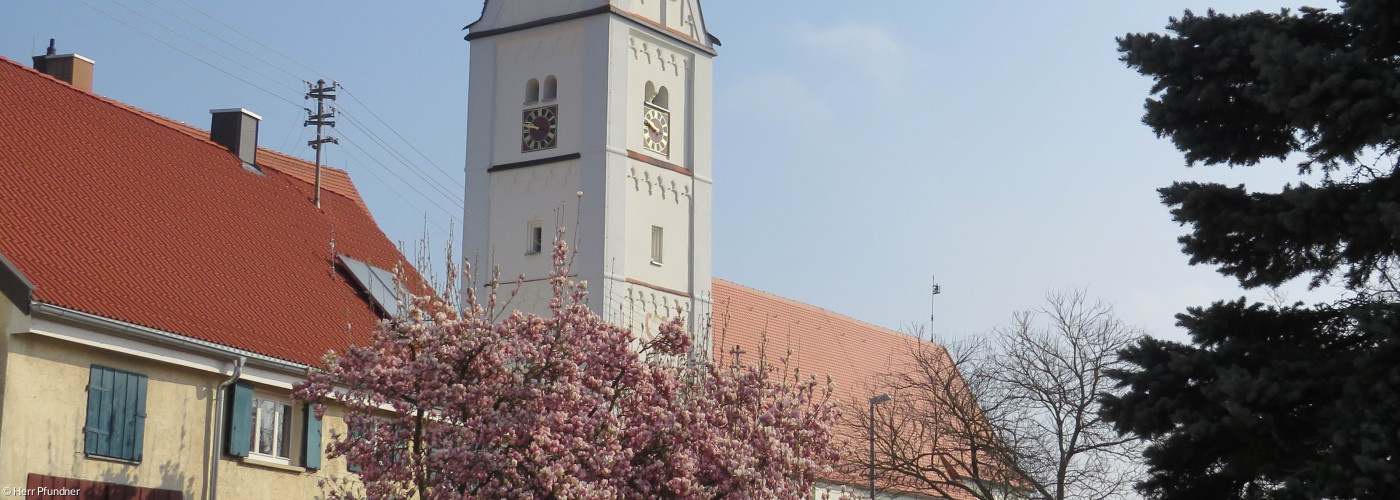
<point>854,353</point>
<point>116,212</point>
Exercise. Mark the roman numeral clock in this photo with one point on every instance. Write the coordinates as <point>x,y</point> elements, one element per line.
<point>541,129</point>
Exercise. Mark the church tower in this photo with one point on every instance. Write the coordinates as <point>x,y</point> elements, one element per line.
<point>610,98</point>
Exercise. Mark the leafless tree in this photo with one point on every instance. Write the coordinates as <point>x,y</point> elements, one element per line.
<point>1013,414</point>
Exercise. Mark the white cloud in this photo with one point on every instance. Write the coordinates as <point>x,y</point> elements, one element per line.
<point>869,48</point>
<point>773,94</point>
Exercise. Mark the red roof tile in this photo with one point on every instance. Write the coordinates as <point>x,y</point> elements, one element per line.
<point>115,212</point>
<point>854,353</point>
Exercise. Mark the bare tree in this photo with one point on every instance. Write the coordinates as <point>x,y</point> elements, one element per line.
<point>1013,414</point>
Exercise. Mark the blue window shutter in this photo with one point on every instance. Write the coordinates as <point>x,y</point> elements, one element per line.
<point>240,423</point>
<point>116,414</point>
<point>99,395</point>
<point>117,440</point>
<point>311,448</point>
<point>139,418</point>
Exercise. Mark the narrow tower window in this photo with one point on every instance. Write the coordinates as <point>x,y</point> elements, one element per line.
<point>532,91</point>
<point>534,238</point>
<point>656,245</point>
<point>551,88</point>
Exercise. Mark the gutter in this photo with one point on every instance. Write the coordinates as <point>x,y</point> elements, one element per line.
<point>211,490</point>
<point>164,338</point>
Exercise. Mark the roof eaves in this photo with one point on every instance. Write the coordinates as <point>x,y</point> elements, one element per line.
<point>15,285</point>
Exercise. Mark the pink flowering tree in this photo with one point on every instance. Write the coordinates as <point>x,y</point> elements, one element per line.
<point>451,402</point>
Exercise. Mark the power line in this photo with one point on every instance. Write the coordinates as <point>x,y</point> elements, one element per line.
<point>226,42</point>
<point>352,97</point>
<point>142,54</point>
<point>254,40</point>
<point>205,47</point>
<point>360,125</point>
<point>404,161</point>
<point>191,56</point>
<point>401,179</point>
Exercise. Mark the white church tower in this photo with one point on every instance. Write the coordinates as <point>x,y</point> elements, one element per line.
<point>611,98</point>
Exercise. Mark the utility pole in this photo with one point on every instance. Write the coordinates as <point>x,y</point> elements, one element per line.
<point>320,92</point>
<point>936,290</point>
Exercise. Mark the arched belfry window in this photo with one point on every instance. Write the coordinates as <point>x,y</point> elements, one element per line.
<point>658,96</point>
<point>551,88</point>
<point>532,91</point>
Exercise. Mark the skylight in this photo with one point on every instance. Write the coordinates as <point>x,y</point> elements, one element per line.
<point>375,282</point>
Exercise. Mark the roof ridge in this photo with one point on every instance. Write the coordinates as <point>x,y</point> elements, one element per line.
<point>819,308</point>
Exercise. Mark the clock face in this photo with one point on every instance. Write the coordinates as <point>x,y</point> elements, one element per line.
<point>541,129</point>
<point>656,130</point>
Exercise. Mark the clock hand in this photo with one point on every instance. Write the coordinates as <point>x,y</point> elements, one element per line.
<point>531,126</point>
<point>652,126</point>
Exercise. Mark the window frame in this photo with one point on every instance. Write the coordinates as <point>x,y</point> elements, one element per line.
<point>534,238</point>
<point>658,242</point>
<point>284,441</point>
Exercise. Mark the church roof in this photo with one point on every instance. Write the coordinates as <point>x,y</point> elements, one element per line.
<point>116,212</point>
<point>854,353</point>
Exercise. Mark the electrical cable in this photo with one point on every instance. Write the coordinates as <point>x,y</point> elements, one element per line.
<point>192,56</point>
<point>202,46</point>
<point>226,42</point>
<point>404,161</point>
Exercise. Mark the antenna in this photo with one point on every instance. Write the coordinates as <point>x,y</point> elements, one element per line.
<point>320,118</point>
<point>937,289</point>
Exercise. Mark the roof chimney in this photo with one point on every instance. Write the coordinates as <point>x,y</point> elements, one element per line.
<point>71,68</point>
<point>237,130</point>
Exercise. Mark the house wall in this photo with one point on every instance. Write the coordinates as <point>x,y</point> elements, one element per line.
<point>45,410</point>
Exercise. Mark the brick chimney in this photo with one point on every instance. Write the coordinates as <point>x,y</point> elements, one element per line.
<point>71,68</point>
<point>237,130</point>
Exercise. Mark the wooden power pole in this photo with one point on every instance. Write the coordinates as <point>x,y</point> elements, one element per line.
<point>321,118</point>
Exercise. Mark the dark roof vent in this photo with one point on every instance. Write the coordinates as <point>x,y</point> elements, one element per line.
<point>74,69</point>
<point>237,130</point>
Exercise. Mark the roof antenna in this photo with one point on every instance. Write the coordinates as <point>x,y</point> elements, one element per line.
<point>937,289</point>
<point>52,50</point>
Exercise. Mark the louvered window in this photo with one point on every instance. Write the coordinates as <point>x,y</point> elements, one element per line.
<point>116,414</point>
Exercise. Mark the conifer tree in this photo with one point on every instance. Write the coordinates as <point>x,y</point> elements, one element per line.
<point>1277,402</point>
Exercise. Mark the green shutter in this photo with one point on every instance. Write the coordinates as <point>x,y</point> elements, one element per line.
<point>117,440</point>
<point>311,447</point>
<point>139,417</point>
<point>99,394</point>
<point>116,414</point>
<point>240,418</point>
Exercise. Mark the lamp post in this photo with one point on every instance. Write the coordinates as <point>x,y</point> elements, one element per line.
<point>874,401</point>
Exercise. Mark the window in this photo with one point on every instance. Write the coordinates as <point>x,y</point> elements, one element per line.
<point>658,97</point>
<point>532,91</point>
<point>551,88</point>
<point>116,414</point>
<point>656,245</point>
<point>261,427</point>
<point>534,238</point>
<point>272,430</point>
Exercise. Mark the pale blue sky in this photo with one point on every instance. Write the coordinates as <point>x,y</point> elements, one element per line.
<point>859,147</point>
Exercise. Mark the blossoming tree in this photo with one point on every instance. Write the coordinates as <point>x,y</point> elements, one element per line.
<point>450,402</point>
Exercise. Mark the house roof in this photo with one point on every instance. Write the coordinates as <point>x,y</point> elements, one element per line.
<point>120,213</point>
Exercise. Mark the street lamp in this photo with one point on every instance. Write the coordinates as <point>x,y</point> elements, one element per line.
<point>874,401</point>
